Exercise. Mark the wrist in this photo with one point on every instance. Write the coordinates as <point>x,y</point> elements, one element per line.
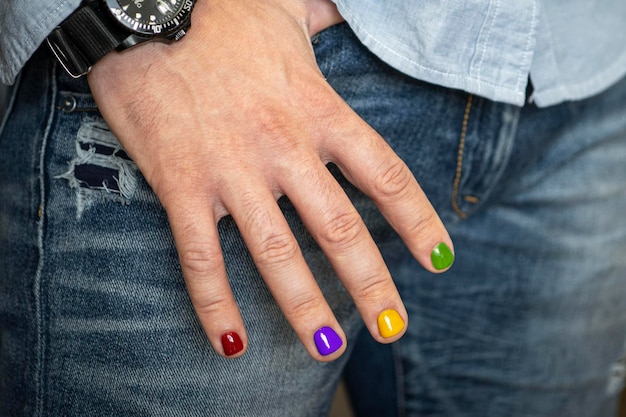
<point>322,14</point>
<point>99,27</point>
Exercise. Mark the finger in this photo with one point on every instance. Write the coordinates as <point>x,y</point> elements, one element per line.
<point>339,230</point>
<point>202,264</point>
<point>279,260</point>
<point>375,169</point>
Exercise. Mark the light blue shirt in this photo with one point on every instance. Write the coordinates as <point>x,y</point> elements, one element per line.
<point>24,25</point>
<point>570,49</point>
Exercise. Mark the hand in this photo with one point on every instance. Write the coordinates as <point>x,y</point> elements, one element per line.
<point>254,119</point>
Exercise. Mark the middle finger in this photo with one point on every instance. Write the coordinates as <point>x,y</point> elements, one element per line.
<point>338,228</point>
<point>276,253</point>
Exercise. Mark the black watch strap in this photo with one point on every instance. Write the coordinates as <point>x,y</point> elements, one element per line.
<point>85,37</point>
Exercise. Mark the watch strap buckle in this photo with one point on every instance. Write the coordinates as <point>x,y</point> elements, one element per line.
<point>74,63</point>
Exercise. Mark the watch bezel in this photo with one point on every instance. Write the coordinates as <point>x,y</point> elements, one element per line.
<point>179,20</point>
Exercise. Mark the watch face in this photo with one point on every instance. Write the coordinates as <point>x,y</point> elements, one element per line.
<point>151,17</point>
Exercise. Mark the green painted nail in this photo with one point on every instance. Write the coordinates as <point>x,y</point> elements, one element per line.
<point>441,257</point>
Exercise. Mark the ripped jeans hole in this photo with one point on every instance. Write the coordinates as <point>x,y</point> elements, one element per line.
<point>102,168</point>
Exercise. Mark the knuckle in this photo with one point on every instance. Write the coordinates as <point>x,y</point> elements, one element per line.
<point>425,222</point>
<point>201,259</point>
<point>277,249</point>
<point>373,288</point>
<point>206,306</point>
<point>392,179</point>
<point>271,245</point>
<point>304,307</point>
<point>342,229</point>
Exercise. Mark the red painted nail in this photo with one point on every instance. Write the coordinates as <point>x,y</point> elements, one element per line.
<point>232,344</point>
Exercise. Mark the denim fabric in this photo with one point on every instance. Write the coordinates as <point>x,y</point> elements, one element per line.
<point>95,318</point>
<point>531,319</point>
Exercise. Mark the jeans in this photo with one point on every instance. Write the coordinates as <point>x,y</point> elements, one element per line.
<point>530,321</point>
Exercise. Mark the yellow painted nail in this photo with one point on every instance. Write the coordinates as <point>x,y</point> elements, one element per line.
<point>390,323</point>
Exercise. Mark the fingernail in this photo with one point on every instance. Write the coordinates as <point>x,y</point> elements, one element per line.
<point>232,344</point>
<point>390,323</point>
<point>327,341</point>
<point>441,257</point>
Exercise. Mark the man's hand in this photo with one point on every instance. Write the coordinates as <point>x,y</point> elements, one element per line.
<point>236,115</point>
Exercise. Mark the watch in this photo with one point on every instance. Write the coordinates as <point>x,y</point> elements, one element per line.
<point>98,27</point>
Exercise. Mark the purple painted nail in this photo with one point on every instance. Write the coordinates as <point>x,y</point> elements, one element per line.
<point>327,341</point>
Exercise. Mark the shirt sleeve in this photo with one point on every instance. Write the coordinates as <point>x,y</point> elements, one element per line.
<point>24,25</point>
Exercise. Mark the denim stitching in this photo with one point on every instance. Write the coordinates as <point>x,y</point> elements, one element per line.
<point>40,348</point>
<point>471,199</point>
<point>459,160</point>
<point>69,103</point>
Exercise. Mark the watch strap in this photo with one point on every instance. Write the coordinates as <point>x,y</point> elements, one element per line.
<point>85,37</point>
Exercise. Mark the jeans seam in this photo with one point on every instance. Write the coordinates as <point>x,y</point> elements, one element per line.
<point>40,348</point>
<point>459,161</point>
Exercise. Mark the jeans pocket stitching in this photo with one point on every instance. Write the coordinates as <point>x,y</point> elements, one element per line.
<point>460,160</point>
